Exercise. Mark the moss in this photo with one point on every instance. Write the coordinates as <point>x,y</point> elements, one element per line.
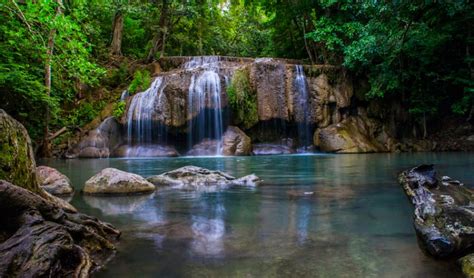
<point>467,264</point>
<point>243,99</point>
<point>17,164</point>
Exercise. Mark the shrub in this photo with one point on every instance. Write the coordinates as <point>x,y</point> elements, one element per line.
<point>141,81</point>
<point>119,109</point>
<point>243,99</point>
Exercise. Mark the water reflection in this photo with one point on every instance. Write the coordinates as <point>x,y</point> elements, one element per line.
<point>316,216</point>
<point>111,205</point>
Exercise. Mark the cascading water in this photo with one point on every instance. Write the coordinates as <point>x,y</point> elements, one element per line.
<point>302,108</point>
<point>204,101</point>
<point>143,130</point>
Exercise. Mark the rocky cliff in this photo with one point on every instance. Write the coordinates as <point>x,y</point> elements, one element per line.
<point>297,107</point>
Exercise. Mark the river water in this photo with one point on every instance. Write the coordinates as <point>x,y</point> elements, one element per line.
<point>315,216</point>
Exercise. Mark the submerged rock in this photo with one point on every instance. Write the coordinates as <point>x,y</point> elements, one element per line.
<point>146,151</point>
<point>352,135</point>
<point>444,212</point>
<point>206,147</point>
<point>53,181</point>
<point>271,149</point>
<point>114,181</point>
<point>193,177</point>
<point>236,142</point>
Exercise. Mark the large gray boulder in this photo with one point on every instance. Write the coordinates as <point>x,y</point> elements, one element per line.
<point>193,177</point>
<point>114,181</point>
<point>444,213</point>
<point>53,181</point>
<point>236,142</point>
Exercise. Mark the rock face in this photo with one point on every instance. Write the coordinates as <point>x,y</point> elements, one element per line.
<point>193,177</point>
<point>114,181</point>
<point>99,142</point>
<point>40,239</point>
<point>53,181</point>
<point>444,214</point>
<point>352,135</point>
<point>17,162</point>
<point>236,142</point>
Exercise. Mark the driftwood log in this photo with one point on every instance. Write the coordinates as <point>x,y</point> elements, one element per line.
<point>40,239</point>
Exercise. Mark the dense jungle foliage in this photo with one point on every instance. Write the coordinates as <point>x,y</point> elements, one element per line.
<point>52,52</point>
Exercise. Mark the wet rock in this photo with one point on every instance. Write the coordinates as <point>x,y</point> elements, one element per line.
<point>114,181</point>
<point>99,142</point>
<point>53,181</point>
<point>40,239</point>
<point>352,135</point>
<point>236,142</point>
<point>206,147</point>
<point>193,177</point>
<point>271,149</point>
<point>146,151</point>
<point>444,214</point>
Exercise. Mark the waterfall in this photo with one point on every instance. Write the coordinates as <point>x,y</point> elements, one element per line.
<point>302,108</point>
<point>142,127</point>
<point>204,101</point>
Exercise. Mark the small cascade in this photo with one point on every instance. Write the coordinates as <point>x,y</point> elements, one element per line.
<point>142,126</point>
<point>302,109</point>
<point>204,101</point>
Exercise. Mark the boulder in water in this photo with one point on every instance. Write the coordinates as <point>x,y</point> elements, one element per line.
<point>444,214</point>
<point>271,149</point>
<point>193,177</point>
<point>53,181</point>
<point>236,142</point>
<point>114,181</point>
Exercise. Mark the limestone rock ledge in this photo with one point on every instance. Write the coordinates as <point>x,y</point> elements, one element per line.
<point>443,216</point>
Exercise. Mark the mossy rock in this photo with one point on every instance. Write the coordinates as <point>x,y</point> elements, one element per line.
<point>17,163</point>
<point>467,264</point>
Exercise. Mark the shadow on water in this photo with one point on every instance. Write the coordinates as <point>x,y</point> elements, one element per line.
<point>315,216</point>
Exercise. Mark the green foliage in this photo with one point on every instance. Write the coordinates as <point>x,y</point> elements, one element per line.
<point>84,113</point>
<point>141,81</point>
<point>243,99</point>
<point>119,109</point>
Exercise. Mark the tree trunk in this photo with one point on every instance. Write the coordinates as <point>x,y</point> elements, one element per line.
<point>159,38</point>
<point>116,46</point>
<point>46,148</point>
